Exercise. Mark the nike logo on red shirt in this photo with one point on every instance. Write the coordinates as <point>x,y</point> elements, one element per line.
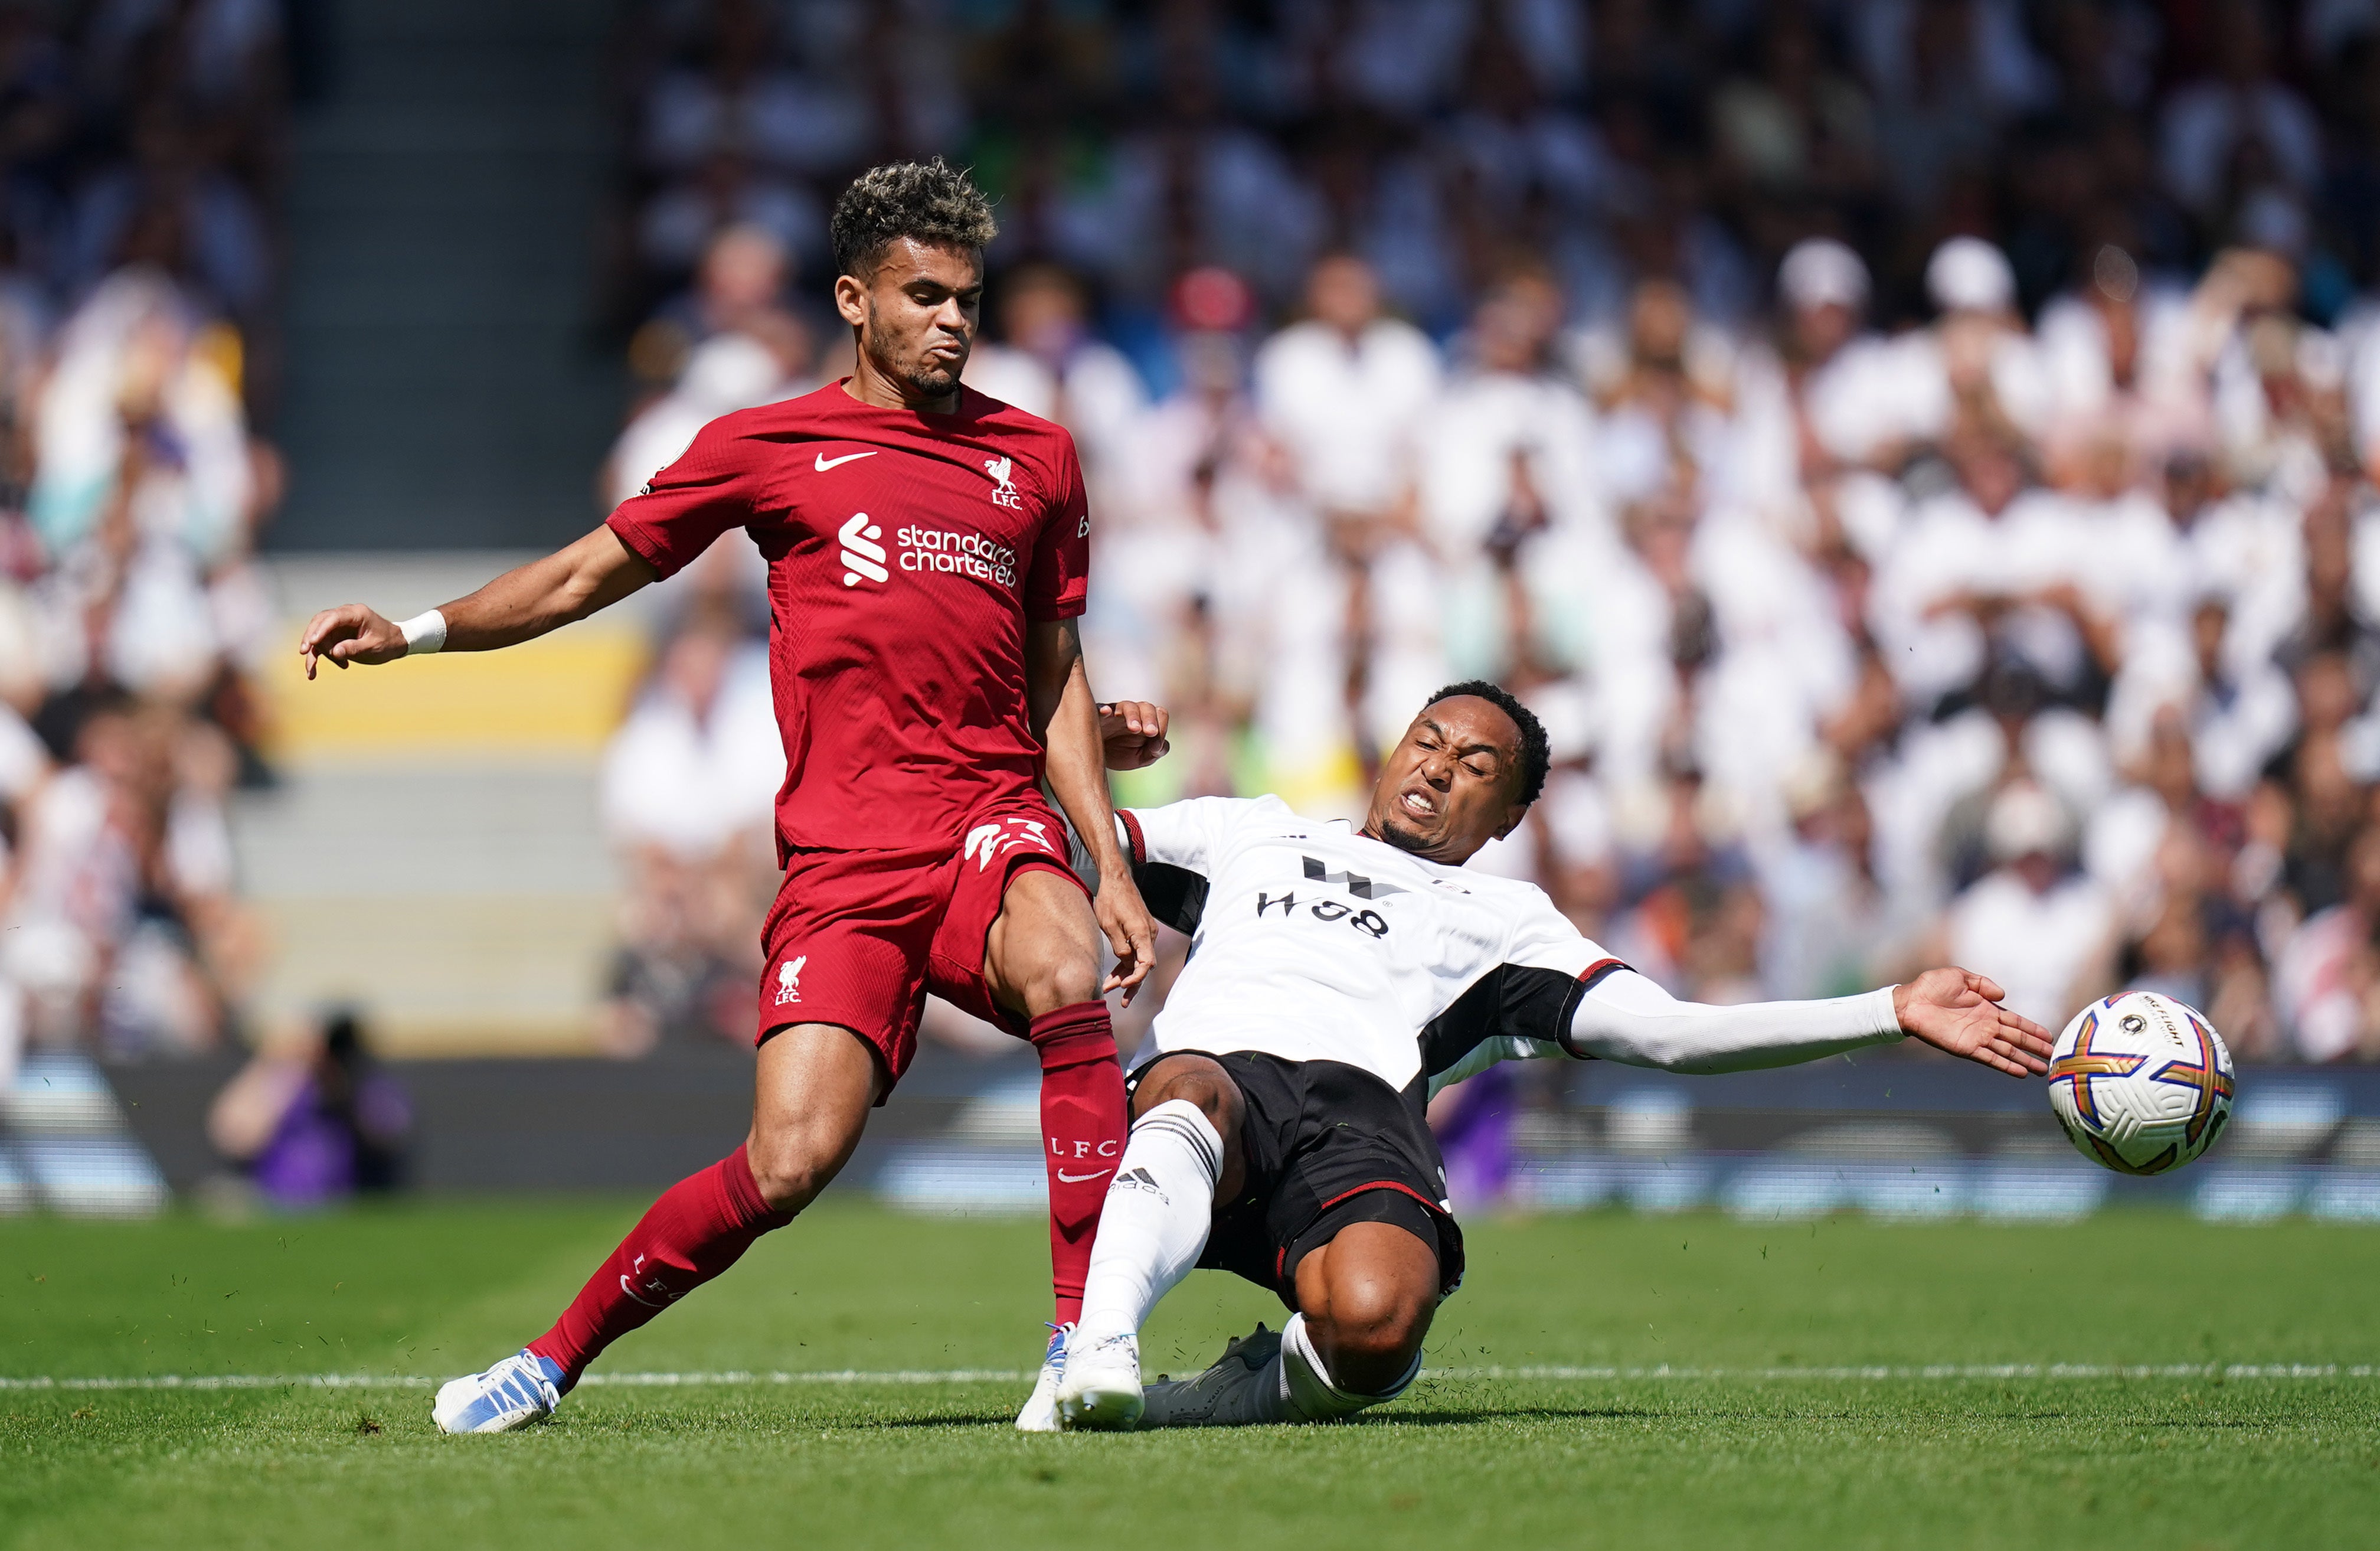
<point>1066,1177</point>
<point>824,462</point>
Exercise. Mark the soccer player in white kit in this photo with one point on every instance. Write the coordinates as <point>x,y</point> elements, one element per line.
<point>1336,973</point>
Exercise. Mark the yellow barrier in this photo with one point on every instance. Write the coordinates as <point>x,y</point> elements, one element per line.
<point>563,695</point>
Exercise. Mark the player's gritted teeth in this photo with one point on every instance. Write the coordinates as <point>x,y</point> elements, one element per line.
<point>1449,785</point>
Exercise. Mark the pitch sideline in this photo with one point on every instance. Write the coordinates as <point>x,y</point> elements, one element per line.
<point>927,1377</point>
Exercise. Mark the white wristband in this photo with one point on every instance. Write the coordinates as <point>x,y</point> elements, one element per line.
<point>424,633</point>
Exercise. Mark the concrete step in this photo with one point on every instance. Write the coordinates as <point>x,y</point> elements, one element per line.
<point>465,908</point>
<point>425,834</point>
<point>433,851</point>
<point>441,388</point>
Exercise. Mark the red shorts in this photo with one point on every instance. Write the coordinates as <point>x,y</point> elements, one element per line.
<point>857,938</point>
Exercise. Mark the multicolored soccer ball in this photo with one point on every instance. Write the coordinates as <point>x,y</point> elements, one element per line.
<point>2141,1082</point>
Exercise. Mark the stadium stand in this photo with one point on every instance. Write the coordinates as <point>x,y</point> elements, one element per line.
<point>1917,457</point>
<point>144,156</point>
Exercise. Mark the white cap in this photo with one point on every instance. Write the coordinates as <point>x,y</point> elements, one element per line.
<point>1968,274</point>
<point>730,372</point>
<point>1820,272</point>
<point>2023,819</point>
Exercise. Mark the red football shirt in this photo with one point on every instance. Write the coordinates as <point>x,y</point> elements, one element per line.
<point>905,553</point>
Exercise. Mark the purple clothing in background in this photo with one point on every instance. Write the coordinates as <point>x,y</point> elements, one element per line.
<point>321,1152</point>
<point>1476,1141</point>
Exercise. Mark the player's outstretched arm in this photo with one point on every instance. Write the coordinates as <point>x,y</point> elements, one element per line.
<point>521,604</point>
<point>1059,696</point>
<point>1627,1017</point>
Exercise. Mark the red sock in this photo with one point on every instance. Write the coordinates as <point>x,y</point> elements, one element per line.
<point>701,1225</point>
<point>1082,1116</point>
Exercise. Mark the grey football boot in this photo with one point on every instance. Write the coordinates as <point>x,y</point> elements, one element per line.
<point>1243,1387</point>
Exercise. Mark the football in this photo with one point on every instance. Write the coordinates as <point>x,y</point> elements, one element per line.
<point>2142,1083</point>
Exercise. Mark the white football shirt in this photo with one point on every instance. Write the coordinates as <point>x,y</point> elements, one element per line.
<point>1314,943</point>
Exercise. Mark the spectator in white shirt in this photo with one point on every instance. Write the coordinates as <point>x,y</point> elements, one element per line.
<point>1509,455</point>
<point>725,372</point>
<point>120,919</point>
<point>129,366</point>
<point>694,769</point>
<point>1347,394</point>
<point>2325,977</point>
<point>1976,371</point>
<point>2034,922</point>
<point>1048,362</point>
<point>688,785</point>
<point>2244,546</point>
<point>1820,410</point>
<point>1992,566</point>
<point>1831,921</point>
<point>2115,356</point>
<point>1845,398</point>
<point>2238,712</point>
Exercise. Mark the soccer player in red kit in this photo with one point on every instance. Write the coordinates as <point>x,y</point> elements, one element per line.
<point>927,548</point>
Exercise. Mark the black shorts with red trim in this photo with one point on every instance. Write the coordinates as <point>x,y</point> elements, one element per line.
<point>1325,1144</point>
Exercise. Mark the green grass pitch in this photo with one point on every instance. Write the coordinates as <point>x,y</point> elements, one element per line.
<point>1736,1453</point>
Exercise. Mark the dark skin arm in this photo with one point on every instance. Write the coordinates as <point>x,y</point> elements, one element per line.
<point>1058,699</point>
<point>521,604</point>
<point>1133,733</point>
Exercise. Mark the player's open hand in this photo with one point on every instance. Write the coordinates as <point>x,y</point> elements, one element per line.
<point>1131,932</point>
<point>1133,733</point>
<point>349,634</point>
<point>1960,1012</point>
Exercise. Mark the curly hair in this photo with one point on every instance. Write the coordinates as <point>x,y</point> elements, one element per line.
<point>1537,754</point>
<point>931,201</point>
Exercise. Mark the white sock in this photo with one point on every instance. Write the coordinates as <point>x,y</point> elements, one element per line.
<point>1153,1224</point>
<point>1307,1393</point>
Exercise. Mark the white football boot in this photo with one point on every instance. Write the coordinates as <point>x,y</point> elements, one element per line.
<point>518,1392</point>
<point>1101,1388</point>
<point>1040,1412</point>
<point>1243,1386</point>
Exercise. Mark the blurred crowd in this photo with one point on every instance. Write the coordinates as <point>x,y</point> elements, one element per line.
<point>143,145</point>
<point>1134,140</point>
<point>1917,455</point>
